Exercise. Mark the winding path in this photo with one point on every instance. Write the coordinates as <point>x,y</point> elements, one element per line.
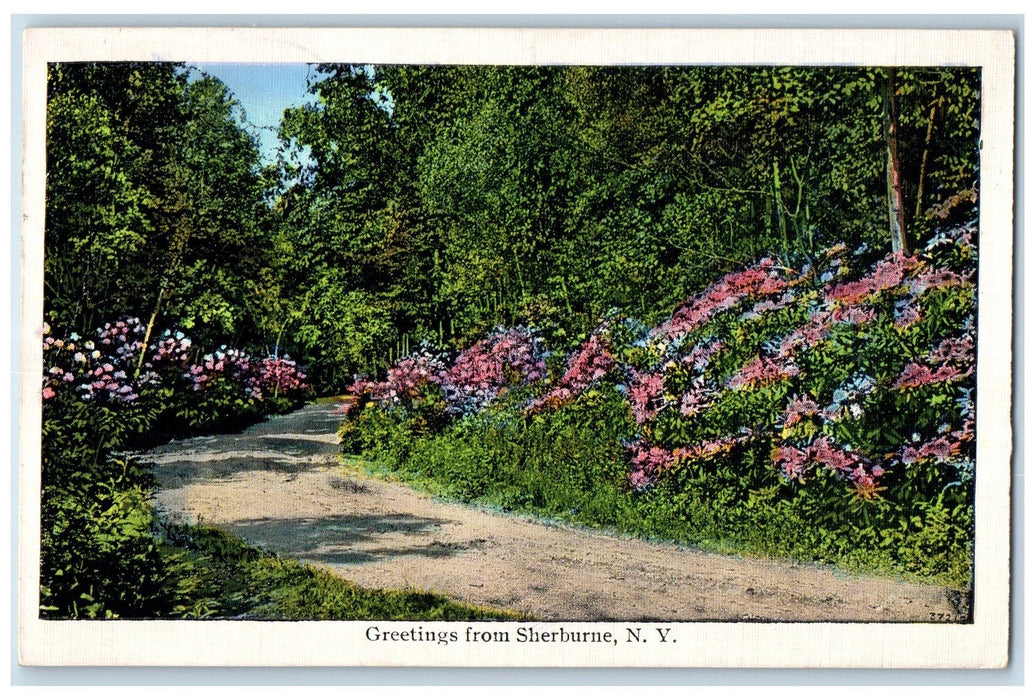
<point>280,485</point>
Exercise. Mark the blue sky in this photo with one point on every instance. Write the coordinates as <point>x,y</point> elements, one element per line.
<point>265,90</point>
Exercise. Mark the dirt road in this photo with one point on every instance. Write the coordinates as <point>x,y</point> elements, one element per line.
<point>280,485</point>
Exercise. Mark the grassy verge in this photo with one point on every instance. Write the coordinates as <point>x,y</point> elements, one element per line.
<point>221,577</point>
<point>329,400</point>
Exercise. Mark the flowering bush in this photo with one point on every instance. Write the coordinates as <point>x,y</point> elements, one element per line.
<point>648,462</point>
<point>508,358</point>
<point>100,555</point>
<point>404,379</point>
<point>774,395</point>
<point>115,367</point>
<point>96,369</point>
<point>763,279</point>
<point>811,388</point>
<point>587,366</point>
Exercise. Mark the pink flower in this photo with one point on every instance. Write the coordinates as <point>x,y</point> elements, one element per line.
<point>861,477</point>
<point>824,451</point>
<point>807,336</point>
<point>725,294</point>
<point>954,358</point>
<point>588,365</point>
<point>696,400</point>
<point>853,314</point>
<point>709,448</point>
<point>906,316</point>
<point>940,448</point>
<point>959,350</point>
<point>887,274</point>
<point>646,395</point>
<point>648,462</point>
<point>762,371</point>
<point>799,409</point>
<point>794,463</point>
<point>936,278</point>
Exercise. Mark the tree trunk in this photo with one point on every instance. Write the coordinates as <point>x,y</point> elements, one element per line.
<point>147,333</point>
<point>927,150</point>
<point>780,220</point>
<point>896,206</point>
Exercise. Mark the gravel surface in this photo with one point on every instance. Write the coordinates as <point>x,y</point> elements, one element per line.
<point>281,485</point>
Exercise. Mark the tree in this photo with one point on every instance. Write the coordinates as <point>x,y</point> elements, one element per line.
<point>896,200</point>
<point>154,204</point>
<point>105,127</point>
<point>450,199</point>
<point>341,222</point>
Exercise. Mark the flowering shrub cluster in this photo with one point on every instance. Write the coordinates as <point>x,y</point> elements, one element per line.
<point>821,386</point>
<point>763,279</point>
<point>258,378</point>
<point>99,368</point>
<point>815,365</point>
<point>817,368</point>
<point>825,411</point>
<point>587,366</point>
<point>951,361</point>
<point>508,358</point>
<point>404,379</point>
<point>115,367</point>
<point>648,462</point>
<point>107,392</point>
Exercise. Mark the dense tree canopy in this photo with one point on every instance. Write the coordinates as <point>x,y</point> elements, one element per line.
<point>153,203</point>
<point>432,203</point>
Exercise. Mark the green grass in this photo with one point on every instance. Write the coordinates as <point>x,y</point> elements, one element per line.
<point>222,577</point>
<point>327,400</point>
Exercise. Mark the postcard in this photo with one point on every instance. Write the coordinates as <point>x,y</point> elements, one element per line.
<point>516,348</point>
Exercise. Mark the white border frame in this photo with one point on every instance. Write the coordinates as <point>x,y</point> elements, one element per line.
<point>982,644</point>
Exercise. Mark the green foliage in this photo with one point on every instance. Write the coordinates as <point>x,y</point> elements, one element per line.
<point>222,407</point>
<point>223,578</point>
<point>568,464</point>
<point>153,201</point>
<point>100,558</point>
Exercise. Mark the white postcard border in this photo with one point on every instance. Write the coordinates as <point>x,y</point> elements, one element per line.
<point>982,644</point>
